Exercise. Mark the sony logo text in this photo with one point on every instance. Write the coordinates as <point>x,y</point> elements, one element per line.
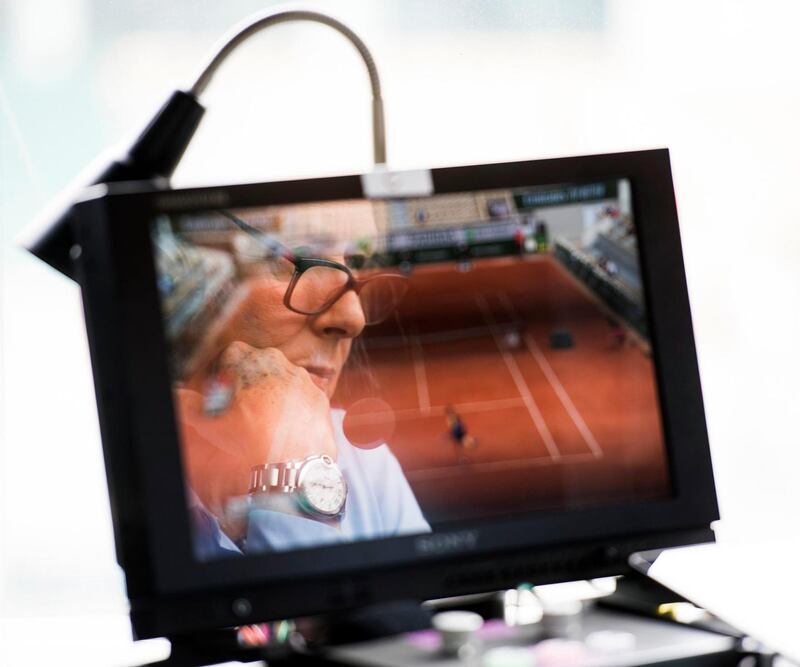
<point>434,545</point>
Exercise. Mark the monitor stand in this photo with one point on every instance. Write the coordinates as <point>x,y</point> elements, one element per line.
<point>371,622</point>
<point>636,595</point>
<point>221,646</point>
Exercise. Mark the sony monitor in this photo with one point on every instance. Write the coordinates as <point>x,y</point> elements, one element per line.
<point>317,394</point>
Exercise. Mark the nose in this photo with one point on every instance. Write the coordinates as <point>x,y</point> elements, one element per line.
<point>344,319</point>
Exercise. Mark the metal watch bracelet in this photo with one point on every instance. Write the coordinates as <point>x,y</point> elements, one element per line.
<point>275,477</point>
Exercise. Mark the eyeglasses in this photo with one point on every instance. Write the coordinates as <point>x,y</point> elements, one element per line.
<point>316,283</point>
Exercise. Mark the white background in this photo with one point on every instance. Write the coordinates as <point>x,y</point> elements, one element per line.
<point>465,82</point>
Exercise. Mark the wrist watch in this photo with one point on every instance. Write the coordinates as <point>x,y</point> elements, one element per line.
<point>316,484</point>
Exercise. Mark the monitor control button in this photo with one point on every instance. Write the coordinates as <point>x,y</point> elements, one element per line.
<point>242,607</point>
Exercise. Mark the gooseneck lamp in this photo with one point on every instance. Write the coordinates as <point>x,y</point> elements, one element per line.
<point>157,151</point>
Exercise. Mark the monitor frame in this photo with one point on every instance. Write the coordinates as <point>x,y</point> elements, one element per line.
<point>171,592</point>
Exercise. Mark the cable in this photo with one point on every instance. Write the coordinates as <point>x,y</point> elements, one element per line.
<point>261,21</point>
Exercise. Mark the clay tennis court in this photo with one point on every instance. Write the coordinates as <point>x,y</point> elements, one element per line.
<point>553,427</point>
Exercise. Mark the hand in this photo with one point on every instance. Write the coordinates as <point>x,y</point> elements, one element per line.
<point>276,414</point>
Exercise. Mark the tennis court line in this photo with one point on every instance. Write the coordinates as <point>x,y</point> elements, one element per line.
<point>422,379</point>
<point>493,466</point>
<point>555,383</point>
<point>519,381</point>
<point>438,411</point>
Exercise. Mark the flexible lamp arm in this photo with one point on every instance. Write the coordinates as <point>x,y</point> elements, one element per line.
<point>158,150</point>
<point>256,24</point>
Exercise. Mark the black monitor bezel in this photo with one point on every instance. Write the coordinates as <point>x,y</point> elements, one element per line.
<point>129,355</point>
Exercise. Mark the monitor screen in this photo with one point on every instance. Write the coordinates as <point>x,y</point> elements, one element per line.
<point>357,369</point>
<point>320,394</point>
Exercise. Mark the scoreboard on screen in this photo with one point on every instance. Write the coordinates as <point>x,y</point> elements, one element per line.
<point>503,222</point>
<point>422,246</point>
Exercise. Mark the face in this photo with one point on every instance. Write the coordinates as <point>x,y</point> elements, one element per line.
<point>256,313</point>
<point>319,343</point>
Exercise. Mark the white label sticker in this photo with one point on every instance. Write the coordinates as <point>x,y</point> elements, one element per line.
<point>386,184</point>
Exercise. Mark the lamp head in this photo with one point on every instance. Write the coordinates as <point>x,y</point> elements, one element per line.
<point>154,155</point>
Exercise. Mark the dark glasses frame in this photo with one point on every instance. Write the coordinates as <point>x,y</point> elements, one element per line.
<point>303,264</point>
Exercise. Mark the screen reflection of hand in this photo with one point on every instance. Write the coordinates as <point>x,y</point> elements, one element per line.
<point>276,413</point>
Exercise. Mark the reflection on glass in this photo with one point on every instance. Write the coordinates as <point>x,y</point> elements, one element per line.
<point>361,369</point>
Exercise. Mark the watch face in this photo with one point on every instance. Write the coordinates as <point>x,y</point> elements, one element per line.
<point>322,486</point>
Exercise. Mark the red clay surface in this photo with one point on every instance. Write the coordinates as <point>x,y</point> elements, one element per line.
<point>553,427</point>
